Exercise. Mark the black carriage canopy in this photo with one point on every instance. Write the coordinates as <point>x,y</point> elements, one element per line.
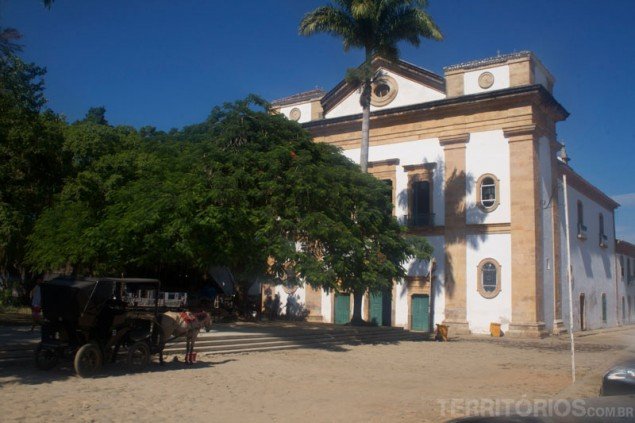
<point>70,300</point>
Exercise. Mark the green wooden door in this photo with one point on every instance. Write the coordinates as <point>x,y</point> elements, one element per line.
<point>342,309</point>
<point>376,309</point>
<point>420,313</point>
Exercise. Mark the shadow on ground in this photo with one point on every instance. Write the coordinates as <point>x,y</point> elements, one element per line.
<point>27,373</point>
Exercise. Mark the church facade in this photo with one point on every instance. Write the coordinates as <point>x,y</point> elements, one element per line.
<point>475,166</point>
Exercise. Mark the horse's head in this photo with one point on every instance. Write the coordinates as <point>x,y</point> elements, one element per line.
<point>205,319</point>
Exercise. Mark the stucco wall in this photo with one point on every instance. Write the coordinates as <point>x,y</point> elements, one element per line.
<point>626,289</point>
<point>305,111</point>
<point>410,153</point>
<point>593,267</point>
<point>501,79</point>
<point>487,152</point>
<point>483,311</point>
<point>296,299</point>
<point>547,197</point>
<point>409,92</point>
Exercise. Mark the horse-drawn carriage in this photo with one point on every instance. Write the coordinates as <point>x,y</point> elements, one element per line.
<point>92,321</point>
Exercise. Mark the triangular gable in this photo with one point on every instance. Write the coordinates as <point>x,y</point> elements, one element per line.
<point>414,85</point>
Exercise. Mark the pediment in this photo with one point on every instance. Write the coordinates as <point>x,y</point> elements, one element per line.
<point>400,84</point>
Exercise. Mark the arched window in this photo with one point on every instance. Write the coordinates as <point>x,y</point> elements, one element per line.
<point>489,278</point>
<point>487,192</point>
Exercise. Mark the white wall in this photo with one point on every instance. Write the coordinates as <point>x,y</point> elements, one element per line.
<point>438,282</point>
<point>626,289</point>
<point>305,111</point>
<point>437,289</point>
<point>409,153</point>
<point>501,79</point>
<point>593,267</point>
<point>409,92</point>
<point>483,311</point>
<point>327,314</point>
<point>299,297</point>
<point>487,152</point>
<point>547,194</point>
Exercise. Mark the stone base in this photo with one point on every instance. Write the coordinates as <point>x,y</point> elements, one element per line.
<point>457,327</point>
<point>527,330</point>
<point>558,328</point>
<point>314,318</point>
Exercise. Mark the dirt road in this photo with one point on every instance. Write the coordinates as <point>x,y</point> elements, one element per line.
<point>409,381</point>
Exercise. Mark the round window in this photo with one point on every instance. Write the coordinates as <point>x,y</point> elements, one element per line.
<point>381,90</point>
<point>295,114</point>
<point>384,91</point>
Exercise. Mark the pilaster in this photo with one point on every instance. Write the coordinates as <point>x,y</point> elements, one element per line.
<point>313,303</point>
<point>526,230</point>
<point>455,234</point>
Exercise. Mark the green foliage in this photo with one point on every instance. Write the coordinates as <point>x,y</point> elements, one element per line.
<point>243,189</point>
<point>32,164</point>
<point>373,25</point>
<point>96,116</point>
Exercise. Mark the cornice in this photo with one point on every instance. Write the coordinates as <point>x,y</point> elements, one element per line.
<point>449,105</point>
<point>388,162</point>
<point>426,166</point>
<point>519,131</point>
<point>454,141</point>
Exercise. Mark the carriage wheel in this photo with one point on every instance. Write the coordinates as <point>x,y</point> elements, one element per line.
<point>45,358</point>
<point>138,356</point>
<point>88,360</point>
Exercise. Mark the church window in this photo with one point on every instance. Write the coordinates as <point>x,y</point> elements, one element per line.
<point>383,92</point>
<point>488,193</point>
<point>489,278</point>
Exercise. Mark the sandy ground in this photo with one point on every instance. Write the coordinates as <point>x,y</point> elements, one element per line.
<point>398,382</point>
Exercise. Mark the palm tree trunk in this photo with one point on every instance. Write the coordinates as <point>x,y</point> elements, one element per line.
<point>363,159</point>
<point>365,101</point>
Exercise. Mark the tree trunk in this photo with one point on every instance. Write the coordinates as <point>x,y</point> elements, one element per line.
<point>357,308</point>
<point>363,160</point>
<point>365,102</point>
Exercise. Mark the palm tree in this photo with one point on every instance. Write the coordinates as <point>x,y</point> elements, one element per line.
<point>376,26</point>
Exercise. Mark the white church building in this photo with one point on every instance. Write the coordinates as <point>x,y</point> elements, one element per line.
<point>474,163</point>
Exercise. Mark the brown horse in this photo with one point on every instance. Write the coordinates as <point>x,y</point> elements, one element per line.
<point>177,324</point>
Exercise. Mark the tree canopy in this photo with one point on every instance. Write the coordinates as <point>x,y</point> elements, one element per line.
<point>246,189</point>
<point>32,163</point>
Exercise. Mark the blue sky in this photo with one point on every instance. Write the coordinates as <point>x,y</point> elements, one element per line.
<point>167,63</point>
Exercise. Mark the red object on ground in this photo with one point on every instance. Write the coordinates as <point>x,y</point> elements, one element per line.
<point>36,312</point>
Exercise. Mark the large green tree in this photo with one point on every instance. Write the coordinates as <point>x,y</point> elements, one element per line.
<point>376,26</point>
<point>246,188</point>
<point>32,163</point>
